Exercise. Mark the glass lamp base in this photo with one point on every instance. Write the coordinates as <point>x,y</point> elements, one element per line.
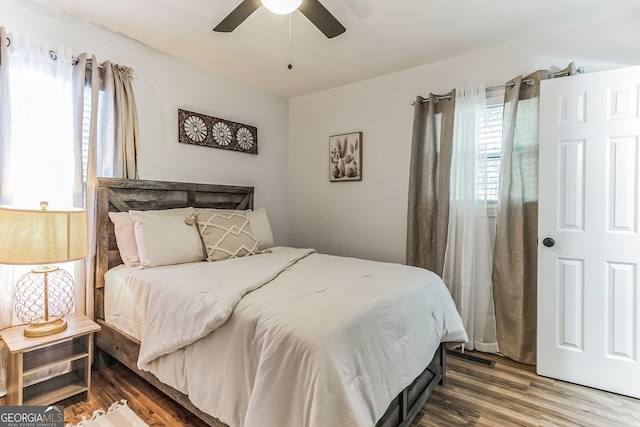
<point>43,329</point>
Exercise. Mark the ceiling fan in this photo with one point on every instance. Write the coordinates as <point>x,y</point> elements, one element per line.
<point>312,9</point>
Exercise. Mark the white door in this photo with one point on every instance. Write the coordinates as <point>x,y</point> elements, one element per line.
<point>588,296</point>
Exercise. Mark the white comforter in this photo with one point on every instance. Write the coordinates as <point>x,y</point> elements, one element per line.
<point>201,297</point>
<point>293,338</point>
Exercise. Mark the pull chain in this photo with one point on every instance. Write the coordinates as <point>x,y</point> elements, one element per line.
<point>290,65</point>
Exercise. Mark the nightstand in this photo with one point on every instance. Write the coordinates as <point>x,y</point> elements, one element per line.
<point>28,355</point>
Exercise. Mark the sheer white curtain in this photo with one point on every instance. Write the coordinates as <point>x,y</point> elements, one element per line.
<point>40,165</point>
<point>36,154</point>
<point>468,260</point>
<point>6,273</point>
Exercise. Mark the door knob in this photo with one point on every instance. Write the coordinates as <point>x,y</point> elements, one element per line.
<point>548,242</point>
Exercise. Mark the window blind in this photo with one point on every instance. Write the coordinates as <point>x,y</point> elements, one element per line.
<point>489,153</point>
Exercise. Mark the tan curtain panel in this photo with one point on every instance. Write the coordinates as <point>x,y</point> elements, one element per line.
<point>84,192</point>
<point>428,210</point>
<point>127,127</point>
<point>112,144</point>
<point>515,261</point>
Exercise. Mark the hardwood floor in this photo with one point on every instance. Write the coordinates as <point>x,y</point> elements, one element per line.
<point>509,394</point>
<point>512,394</point>
<point>118,382</point>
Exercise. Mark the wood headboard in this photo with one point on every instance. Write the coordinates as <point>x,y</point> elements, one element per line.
<point>121,195</point>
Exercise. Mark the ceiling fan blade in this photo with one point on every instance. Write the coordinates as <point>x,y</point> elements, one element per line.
<point>237,16</point>
<point>321,18</point>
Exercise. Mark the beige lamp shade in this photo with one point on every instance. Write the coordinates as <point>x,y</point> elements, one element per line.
<point>31,237</point>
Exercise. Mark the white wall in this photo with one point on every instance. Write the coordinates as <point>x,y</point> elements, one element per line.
<point>368,219</point>
<point>166,84</point>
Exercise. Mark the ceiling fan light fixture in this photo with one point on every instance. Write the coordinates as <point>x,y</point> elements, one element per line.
<point>282,7</point>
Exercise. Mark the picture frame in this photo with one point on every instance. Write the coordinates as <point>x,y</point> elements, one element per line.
<point>208,131</point>
<point>345,157</point>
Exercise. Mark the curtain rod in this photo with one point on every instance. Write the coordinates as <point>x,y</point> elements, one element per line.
<point>54,55</point>
<point>528,82</point>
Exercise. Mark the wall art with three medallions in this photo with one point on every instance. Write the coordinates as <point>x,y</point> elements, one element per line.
<point>200,129</point>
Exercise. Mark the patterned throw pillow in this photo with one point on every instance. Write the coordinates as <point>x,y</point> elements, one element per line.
<point>226,234</point>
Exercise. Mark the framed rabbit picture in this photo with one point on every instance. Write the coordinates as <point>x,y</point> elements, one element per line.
<point>345,157</point>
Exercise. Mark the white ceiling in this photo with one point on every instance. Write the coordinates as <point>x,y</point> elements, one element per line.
<point>383,36</point>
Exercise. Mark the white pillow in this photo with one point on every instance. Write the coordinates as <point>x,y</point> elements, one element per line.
<point>260,225</point>
<point>125,238</point>
<point>261,228</point>
<point>124,230</point>
<point>165,239</point>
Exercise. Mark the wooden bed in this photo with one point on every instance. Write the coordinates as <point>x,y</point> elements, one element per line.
<point>121,195</point>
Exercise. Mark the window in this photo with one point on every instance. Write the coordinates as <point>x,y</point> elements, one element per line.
<point>86,123</point>
<point>42,133</point>
<point>489,154</point>
<point>86,129</point>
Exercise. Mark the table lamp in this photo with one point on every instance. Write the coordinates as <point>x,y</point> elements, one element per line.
<point>43,237</point>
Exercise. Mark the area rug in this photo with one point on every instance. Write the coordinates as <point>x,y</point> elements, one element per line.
<point>118,415</point>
